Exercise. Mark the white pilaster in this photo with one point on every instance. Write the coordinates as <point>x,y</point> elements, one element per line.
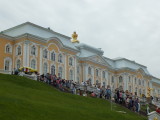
<point>101,77</point>
<point>125,81</point>
<point>93,74</point>
<point>40,62</point>
<point>75,69</point>
<point>26,54</point>
<point>65,64</point>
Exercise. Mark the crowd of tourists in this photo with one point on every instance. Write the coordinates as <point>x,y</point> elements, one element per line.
<point>132,102</point>
<point>118,96</point>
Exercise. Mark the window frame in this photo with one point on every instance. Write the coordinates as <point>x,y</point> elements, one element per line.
<point>35,50</point>
<point>33,64</point>
<point>45,53</point>
<point>53,58</point>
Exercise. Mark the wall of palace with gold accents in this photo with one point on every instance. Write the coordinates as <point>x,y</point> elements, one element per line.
<point>30,45</point>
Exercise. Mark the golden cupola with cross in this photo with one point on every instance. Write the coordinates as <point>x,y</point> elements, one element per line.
<point>74,38</point>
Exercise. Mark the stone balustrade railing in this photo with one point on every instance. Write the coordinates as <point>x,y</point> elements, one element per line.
<point>153,116</point>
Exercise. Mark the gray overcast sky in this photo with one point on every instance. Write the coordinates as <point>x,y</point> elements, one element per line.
<point>122,28</point>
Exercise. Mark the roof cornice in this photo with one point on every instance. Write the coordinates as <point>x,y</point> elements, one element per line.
<point>6,36</point>
<point>27,35</point>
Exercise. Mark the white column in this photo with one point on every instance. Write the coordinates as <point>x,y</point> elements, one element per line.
<point>40,62</point>
<point>125,80</point>
<point>86,66</point>
<point>26,54</point>
<point>151,86</point>
<point>108,83</point>
<point>65,64</point>
<point>75,68</point>
<point>84,71</point>
<point>93,76</point>
<point>101,77</point>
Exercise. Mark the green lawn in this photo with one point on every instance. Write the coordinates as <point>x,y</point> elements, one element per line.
<point>25,99</point>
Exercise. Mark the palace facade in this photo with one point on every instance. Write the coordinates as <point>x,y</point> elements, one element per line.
<point>47,51</point>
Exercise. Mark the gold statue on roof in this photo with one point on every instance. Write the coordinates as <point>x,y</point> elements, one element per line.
<point>74,37</point>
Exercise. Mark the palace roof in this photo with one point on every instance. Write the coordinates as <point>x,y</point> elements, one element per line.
<point>33,29</point>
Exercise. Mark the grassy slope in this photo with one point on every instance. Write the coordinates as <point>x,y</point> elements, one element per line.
<point>24,99</point>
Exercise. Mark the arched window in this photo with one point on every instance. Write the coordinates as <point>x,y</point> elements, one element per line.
<point>143,82</point>
<point>89,70</point>
<point>135,80</point>
<point>71,74</point>
<point>139,82</point>
<point>140,92</point>
<point>71,61</point>
<point>120,79</point>
<point>129,79</point>
<point>18,64</point>
<point>8,49</point>
<point>60,58</point>
<point>33,50</point>
<point>53,71</point>
<point>136,90</point>
<point>112,79</point>
<point>97,72</point>
<point>7,65</point>
<point>45,53</point>
<point>45,67</point>
<point>104,74</point>
<point>19,50</point>
<point>33,64</point>
<point>60,72</point>
<point>53,56</point>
